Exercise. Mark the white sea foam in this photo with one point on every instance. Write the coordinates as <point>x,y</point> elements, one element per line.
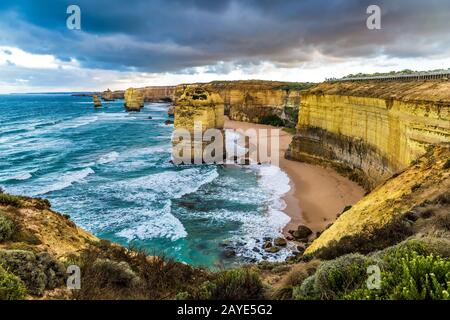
<point>76,122</point>
<point>156,190</point>
<point>275,183</point>
<point>154,224</point>
<point>18,176</point>
<point>275,180</point>
<point>22,176</point>
<point>109,157</point>
<point>65,181</point>
<point>165,185</point>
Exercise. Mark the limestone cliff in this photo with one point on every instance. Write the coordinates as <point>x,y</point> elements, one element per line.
<point>97,102</point>
<point>108,95</point>
<point>151,93</point>
<point>198,110</point>
<point>158,93</point>
<point>427,179</point>
<point>134,99</point>
<point>266,102</point>
<point>371,130</point>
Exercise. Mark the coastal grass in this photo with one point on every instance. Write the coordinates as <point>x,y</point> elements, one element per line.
<point>113,272</point>
<point>295,277</point>
<point>235,284</point>
<point>9,200</point>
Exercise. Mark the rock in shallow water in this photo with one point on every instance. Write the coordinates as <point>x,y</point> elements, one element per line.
<point>281,242</point>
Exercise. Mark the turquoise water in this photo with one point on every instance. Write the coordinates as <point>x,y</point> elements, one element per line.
<point>110,171</point>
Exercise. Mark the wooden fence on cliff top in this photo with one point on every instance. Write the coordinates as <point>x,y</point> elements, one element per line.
<point>401,77</point>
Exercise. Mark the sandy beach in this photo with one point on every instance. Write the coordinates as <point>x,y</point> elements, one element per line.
<point>317,194</point>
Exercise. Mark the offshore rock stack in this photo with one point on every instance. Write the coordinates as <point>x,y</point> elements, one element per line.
<point>197,110</point>
<point>134,99</point>
<point>97,102</point>
<point>108,95</point>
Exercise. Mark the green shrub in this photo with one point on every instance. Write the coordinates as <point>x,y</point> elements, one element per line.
<point>7,227</point>
<point>423,246</point>
<point>39,271</point>
<point>11,287</point>
<point>115,273</point>
<point>307,290</point>
<point>236,284</point>
<point>411,276</point>
<point>338,277</point>
<point>9,200</point>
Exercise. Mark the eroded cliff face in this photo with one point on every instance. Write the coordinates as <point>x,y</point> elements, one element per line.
<point>150,94</point>
<point>265,102</point>
<point>421,183</point>
<point>371,130</point>
<point>108,95</point>
<point>158,93</point>
<point>134,99</point>
<point>197,110</point>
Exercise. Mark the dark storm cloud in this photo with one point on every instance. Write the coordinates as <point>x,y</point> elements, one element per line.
<point>177,35</point>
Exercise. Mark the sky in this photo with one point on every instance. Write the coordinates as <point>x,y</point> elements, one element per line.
<point>136,43</point>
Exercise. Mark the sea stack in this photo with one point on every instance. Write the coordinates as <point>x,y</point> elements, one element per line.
<point>97,102</point>
<point>107,95</point>
<point>134,99</point>
<point>196,111</point>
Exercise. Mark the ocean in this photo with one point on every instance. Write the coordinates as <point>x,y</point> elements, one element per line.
<point>110,170</point>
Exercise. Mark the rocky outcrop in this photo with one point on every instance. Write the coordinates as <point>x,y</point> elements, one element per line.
<point>265,102</point>
<point>134,99</point>
<point>197,110</point>
<point>97,102</point>
<point>40,229</point>
<point>371,130</point>
<point>107,95</point>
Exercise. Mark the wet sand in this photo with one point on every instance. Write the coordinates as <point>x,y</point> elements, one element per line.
<point>317,194</point>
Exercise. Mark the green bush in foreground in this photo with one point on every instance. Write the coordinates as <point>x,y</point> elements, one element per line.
<point>412,277</point>
<point>11,287</point>
<point>337,277</point>
<point>307,290</point>
<point>39,271</point>
<point>6,227</point>
<point>236,284</point>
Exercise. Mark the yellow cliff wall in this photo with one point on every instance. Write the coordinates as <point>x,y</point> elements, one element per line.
<point>423,181</point>
<point>371,131</point>
<point>198,106</point>
<point>158,93</point>
<point>256,101</point>
<point>150,94</point>
<point>134,99</point>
